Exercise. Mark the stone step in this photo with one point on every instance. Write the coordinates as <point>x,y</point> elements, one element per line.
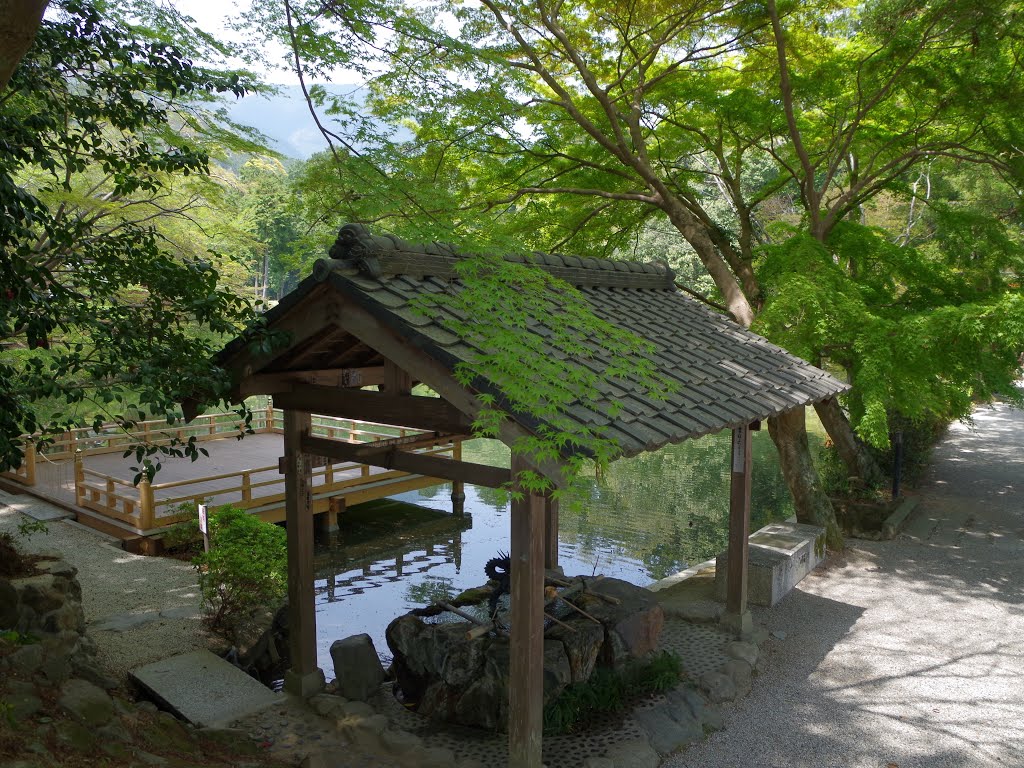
<point>204,689</point>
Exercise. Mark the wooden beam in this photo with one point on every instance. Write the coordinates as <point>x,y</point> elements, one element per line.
<point>304,678</point>
<point>272,383</point>
<point>737,615</point>
<point>550,532</point>
<point>526,668</point>
<point>396,380</point>
<point>429,413</point>
<point>317,314</point>
<point>364,326</point>
<point>416,463</point>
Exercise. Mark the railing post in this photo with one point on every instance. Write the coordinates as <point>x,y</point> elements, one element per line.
<point>79,478</point>
<point>246,487</point>
<point>111,494</point>
<point>147,511</point>
<point>30,462</point>
<point>268,419</point>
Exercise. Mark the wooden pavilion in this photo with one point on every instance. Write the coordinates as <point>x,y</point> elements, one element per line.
<point>354,323</point>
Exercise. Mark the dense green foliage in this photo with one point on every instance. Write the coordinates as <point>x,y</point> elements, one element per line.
<point>845,174</point>
<point>105,316</point>
<point>609,691</point>
<point>914,332</point>
<point>245,570</point>
<point>540,376</point>
<point>600,127</point>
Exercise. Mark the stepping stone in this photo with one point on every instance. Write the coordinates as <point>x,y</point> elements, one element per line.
<point>204,689</point>
<point>43,512</point>
<point>122,622</point>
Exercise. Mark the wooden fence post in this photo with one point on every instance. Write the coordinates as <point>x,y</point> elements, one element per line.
<point>147,508</point>
<point>79,478</point>
<point>268,419</point>
<point>246,487</point>
<point>30,462</point>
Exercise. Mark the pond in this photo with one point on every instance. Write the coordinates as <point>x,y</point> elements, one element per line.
<point>650,517</point>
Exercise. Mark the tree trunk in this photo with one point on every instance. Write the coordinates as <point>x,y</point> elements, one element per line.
<point>19,20</point>
<point>859,463</point>
<point>789,432</point>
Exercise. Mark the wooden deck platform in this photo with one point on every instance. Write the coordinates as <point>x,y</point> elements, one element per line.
<point>99,488</point>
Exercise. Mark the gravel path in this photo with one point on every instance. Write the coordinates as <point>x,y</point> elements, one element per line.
<point>907,653</point>
<point>137,609</point>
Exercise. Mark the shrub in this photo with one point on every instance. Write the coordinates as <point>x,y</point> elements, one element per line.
<point>246,569</point>
<point>608,691</point>
<point>186,533</point>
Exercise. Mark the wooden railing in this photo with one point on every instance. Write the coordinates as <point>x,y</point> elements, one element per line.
<point>26,473</point>
<point>110,438</point>
<point>155,506</point>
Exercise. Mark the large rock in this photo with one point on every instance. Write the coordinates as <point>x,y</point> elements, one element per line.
<point>42,593</point>
<point>665,733</point>
<point>633,625</point>
<point>357,669</point>
<point>23,698</point>
<point>8,605</point>
<point>636,753</point>
<point>447,677</point>
<point>582,648</point>
<point>86,703</point>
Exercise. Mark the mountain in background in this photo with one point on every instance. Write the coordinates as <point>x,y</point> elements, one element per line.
<point>284,118</point>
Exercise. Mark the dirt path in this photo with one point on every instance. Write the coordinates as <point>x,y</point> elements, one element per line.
<point>906,653</point>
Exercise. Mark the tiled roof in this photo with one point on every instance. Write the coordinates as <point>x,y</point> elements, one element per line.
<point>725,376</point>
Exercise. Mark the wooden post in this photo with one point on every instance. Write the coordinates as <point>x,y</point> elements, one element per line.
<point>147,506</point>
<point>268,425</point>
<point>458,488</point>
<point>246,487</point>
<point>79,478</point>
<point>550,532</point>
<point>30,462</point>
<point>526,669</point>
<point>737,616</point>
<point>304,679</point>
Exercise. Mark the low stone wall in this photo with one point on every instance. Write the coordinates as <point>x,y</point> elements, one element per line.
<point>60,702</point>
<point>45,610</point>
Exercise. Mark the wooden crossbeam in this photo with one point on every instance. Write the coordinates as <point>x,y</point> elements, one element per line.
<point>367,450</point>
<point>416,463</point>
<point>428,413</point>
<point>284,381</point>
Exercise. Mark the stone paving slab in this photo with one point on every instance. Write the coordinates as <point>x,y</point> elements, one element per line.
<point>36,509</point>
<point>204,689</point>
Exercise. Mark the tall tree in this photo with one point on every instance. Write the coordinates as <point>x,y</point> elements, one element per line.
<point>98,310</point>
<point>573,123</point>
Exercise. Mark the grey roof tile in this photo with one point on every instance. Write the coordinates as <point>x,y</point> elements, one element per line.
<point>723,375</point>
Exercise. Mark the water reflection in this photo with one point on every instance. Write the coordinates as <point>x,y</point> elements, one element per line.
<point>652,516</point>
